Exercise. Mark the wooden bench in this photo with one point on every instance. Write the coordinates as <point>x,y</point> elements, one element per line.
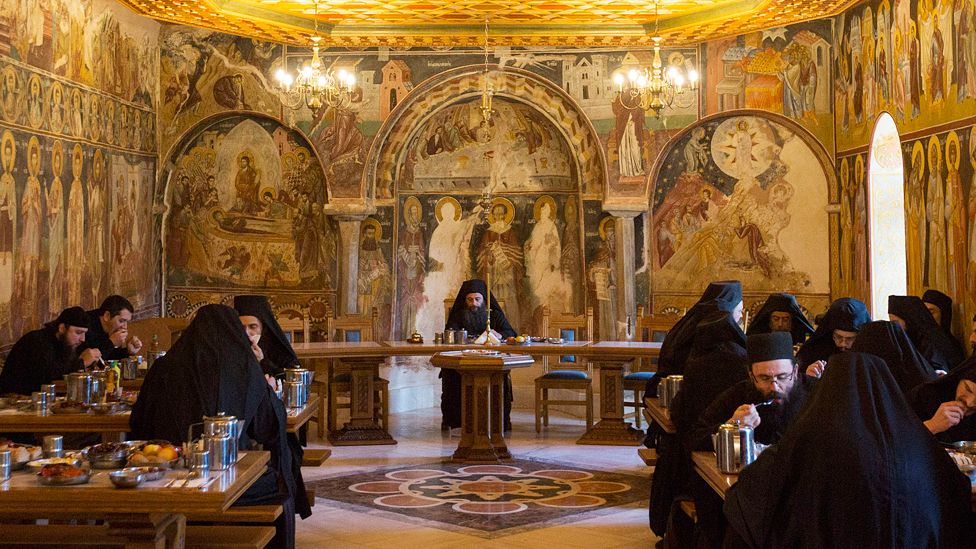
<point>227,537</point>
<point>315,457</point>
<point>688,508</point>
<point>648,456</point>
<point>257,514</point>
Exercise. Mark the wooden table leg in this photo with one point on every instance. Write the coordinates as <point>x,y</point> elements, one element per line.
<point>612,430</point>
<point>362,428</point>
<point>482,407</point>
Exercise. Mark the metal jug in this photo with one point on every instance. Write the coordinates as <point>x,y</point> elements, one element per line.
<point>291,393</point>
<point>448,337</point>
<point>79,385</point>
<point>734,448</point>
<point>218,426</point>
<point>303,376</point>
<point>673,386</point>
<point>223,451</point>
<point>99,385</point>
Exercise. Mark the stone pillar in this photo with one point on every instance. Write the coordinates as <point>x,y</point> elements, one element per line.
<point>348,259</point>
<point>626,288</point>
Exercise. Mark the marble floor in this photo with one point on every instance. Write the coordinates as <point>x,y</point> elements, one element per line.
<point>421,442</point>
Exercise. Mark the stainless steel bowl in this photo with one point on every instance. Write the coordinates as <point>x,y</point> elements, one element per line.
<point>964,446</point>
<point>126,478</point>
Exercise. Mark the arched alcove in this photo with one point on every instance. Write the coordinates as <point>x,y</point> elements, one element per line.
<point>244,196</point>
<point>741,195</point>
<point>886,216</point>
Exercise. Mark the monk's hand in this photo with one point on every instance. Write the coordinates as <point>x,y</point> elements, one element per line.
<point>746,415</point>
<point>816,369</point>
<point>134,345</point>
<point>258,353</point>
<point>948,415</point>
<point>89,356</point>
<point>272,382</point>
<point>119,336</point>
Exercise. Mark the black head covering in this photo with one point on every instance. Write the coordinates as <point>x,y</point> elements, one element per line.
<point>847,314</point>
<point>771,346</point>
<point>889,342</point>
<point>856,469</point>
<point>273,342</point>
<point>72,316</point>
<point>717,361</point>
<point>209,369</point>
<point>718,296</point>
<point>927,336</point>
<point>781,303</point>
<point>927,397</point>
<point>944,303</point>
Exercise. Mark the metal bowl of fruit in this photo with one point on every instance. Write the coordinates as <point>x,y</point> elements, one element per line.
<point>155,453</point>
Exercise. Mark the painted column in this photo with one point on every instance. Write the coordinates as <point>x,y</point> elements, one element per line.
<point>626,290</point>
<point>348,263</point>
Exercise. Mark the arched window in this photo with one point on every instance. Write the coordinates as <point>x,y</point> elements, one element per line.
<point>886,212</point>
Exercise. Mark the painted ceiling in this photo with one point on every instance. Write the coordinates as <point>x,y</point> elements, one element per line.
<point>425,23</point>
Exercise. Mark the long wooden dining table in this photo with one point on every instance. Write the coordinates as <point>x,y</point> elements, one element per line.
<point>111,424</point>
<point>365,358</point>
<point>151,515</point>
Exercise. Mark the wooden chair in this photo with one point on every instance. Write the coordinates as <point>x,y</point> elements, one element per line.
<point>649,328</point>
<point>166,329</point>
<point>568,372</point>
<point>353,328</point>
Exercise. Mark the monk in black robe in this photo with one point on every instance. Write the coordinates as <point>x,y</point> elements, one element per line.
<point>947,405</point>
<point>940,305</point>
<point>268,341</point>
<point>781,313</point>
<point>718,296</point>
<point>835,333</point>
<point>717,361</point>
<point>887,341</point>
<point>46,355</point>
<point>109,329</point>
<point>469,313</point>
<point>856,469</point>
<point>211,368</point>
<point>925,333</point>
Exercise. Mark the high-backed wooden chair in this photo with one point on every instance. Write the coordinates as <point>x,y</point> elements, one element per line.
<point>353,328</point>
<point>649,328</point>
<point>166,329</point>
<point>564,372</point>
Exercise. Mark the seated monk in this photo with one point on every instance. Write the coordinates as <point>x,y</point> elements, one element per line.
<point>470,313</point>
<point>46,355</point>
<point>109,329</point>
<point>271,348</point>
<point>210,369</point>
<point>856,469</point>
<point>781,313</point>
<point>835,333</point>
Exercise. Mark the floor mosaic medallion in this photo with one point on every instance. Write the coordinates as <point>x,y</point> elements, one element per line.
<point>489,498</point>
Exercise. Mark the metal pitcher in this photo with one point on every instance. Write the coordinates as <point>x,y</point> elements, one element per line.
<point>79,387</point>
<point>448,337</point>
<point>218,426</point>
<point>673,386</point>
<point>223,451</point>
<point>291,393</point>
<point>303,376</point>
<point>734,447</point>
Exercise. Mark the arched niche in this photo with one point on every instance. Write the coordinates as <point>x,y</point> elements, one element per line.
<point>741,195</point>
<point>244,196</point>
<point>387,155</point>
<point>435,158</point>
<point>888,266</point>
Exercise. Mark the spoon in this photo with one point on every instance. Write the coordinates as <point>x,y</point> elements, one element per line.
<point>769,402</point>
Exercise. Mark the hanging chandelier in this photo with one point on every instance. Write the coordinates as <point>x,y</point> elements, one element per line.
<point>314,86</point>
<point>654,88</point>
<point>487,90</point>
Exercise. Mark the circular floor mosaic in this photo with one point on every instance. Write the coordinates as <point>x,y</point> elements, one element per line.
<point>489,489</point>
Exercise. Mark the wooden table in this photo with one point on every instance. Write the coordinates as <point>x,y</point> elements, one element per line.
<point>150,515</point>
<point>29,422</point>
<point>707,467</point>
<point>611,357</point>
<point>660,415</point>
<point>482,402</point>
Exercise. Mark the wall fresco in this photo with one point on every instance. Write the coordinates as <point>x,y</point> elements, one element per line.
<point>741,197</point>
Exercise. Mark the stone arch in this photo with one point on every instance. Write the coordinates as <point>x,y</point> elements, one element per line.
<point>673,174</point>
<point>386,154</point>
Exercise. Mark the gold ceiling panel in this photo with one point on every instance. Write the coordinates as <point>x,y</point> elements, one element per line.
<point>420,23</point>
